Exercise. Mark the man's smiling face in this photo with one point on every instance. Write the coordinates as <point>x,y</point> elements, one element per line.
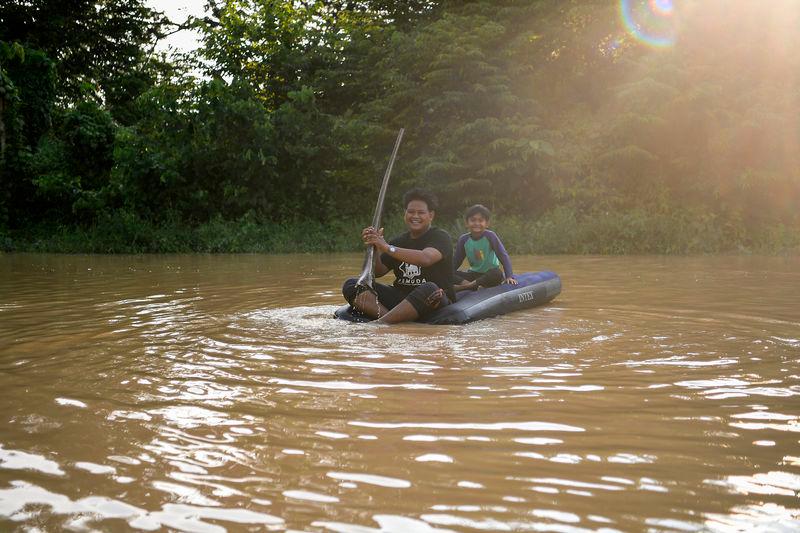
<point>418,217</point>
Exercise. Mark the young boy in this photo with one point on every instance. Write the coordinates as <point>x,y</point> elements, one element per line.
<point>484,252</point>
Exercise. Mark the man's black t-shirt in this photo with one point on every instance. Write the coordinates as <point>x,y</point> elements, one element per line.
<point>409,276</point>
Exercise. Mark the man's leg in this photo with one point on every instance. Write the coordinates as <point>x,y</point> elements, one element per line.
<point>402,312</point>
<point>368,303</point>
<point>422,301</point>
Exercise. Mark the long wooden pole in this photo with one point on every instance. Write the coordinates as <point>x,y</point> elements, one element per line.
<point>367,277</point>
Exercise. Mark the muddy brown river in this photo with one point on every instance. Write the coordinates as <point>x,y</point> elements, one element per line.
<point>214,393</point>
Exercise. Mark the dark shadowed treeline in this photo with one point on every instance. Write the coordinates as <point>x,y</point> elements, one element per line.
<point>579,136</point>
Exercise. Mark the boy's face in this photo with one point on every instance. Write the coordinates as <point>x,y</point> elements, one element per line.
<point>418,217</point>
<point>477,224</point>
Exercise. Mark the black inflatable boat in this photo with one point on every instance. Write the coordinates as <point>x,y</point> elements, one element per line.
<point>534,288</point>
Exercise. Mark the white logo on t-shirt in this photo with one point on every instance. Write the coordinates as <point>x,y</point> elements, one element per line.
<point>409,273</point>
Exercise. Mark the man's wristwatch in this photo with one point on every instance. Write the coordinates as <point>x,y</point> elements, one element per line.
<point>392,249</point>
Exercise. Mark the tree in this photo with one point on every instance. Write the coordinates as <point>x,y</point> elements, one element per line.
<point>28,80</point>
<point>473,135</point>
<point>96,45</point>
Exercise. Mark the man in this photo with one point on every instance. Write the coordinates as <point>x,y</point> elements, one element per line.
<point>421,259</point>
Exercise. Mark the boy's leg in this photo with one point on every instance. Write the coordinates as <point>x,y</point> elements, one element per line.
<point>465,281</point>
<point>491,278</point>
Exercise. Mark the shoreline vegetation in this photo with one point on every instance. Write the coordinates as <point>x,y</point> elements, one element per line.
<point>559,232</point>
<point>586,127</point>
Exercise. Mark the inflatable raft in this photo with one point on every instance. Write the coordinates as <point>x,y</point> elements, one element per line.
<point>534,288</point>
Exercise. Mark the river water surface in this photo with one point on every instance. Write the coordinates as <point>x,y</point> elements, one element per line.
<point>213,393</point>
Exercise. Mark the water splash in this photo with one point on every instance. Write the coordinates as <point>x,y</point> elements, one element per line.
<point>651,22</point>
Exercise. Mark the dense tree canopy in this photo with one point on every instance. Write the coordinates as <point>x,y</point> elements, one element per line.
<point>548,111</point>
<point>98,47</point>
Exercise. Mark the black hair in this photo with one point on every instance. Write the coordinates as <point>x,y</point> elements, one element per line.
<point>421,194</point>
<point>478,209</point>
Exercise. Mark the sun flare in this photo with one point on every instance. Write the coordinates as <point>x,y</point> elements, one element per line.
<point>649,21</point>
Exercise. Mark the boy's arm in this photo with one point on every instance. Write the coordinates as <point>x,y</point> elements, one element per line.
<point>459,254</point>
<point>501,252</point>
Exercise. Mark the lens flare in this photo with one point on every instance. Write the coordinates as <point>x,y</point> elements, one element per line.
<point>661,7</point>
<point>650,21</point>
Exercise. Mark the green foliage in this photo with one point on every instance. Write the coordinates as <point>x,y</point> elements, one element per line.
<point>72,66</point>
<point>32,74</point>
<point>28,80</point>
<point>476,137</point>
<point>96,45</point>
<point>213,150</point>
<point>123,231</point>
<point>72,165</point>
<point>638,231</point>
<point>559,231</point>
<point>578,137</point>
<point>10,134</point>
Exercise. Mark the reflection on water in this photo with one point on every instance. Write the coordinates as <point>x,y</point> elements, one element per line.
<point>205,393</point>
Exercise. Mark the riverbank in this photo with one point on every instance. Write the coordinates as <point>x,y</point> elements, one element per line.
<point>560,231</point>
